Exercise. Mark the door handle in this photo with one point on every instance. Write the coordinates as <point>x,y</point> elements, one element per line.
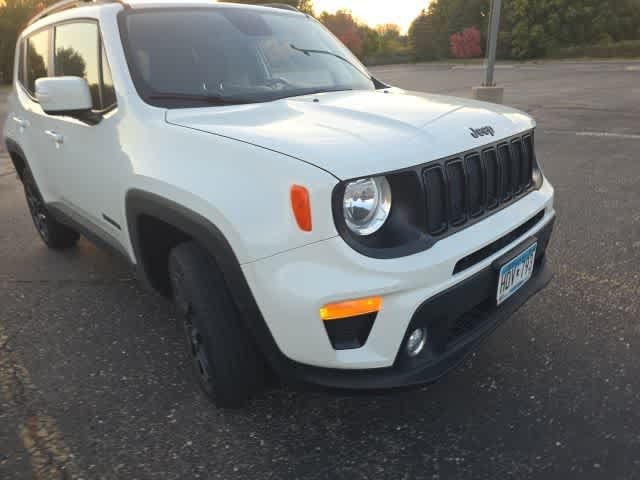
<point>22,123</point>
<point>57,138</point>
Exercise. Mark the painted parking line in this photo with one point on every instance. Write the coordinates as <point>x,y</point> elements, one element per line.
<point>625,136</point>
<point>622,136</point>
<point>481,67</point>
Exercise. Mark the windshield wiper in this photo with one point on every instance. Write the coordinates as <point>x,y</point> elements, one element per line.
<point>210,99</point>
<point>315,91</point>
<point>309,51</point>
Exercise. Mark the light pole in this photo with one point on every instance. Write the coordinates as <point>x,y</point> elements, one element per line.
<point>492,41</point>
<point>489,91</point>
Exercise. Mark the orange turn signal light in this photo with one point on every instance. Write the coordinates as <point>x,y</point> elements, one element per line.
<point>301,206</point>
<point>350,308</point>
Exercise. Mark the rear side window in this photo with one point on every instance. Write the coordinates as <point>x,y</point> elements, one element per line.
<point>78,53</point>
<point>37,58</point>
<point>20,54</point>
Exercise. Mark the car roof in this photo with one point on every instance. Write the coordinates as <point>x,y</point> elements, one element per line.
<point>210,3</point>
<point>66,5</point>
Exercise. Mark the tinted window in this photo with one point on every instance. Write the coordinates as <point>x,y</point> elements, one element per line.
<point>76,54</point>
<point>108,92</point>
<point>241,55</point>
<point>37,58</point>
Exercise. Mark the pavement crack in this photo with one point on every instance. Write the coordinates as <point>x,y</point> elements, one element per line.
<point>49,456</point>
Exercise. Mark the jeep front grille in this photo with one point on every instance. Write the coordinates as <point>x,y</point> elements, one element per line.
<point>465,188</point>
<point>437,199</point>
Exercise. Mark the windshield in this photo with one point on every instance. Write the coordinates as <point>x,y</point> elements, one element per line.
<point>224,56</point>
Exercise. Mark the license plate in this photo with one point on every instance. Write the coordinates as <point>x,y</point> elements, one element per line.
<point>515,273</point>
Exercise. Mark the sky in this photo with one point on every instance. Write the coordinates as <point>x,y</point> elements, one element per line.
<point>376,12</point>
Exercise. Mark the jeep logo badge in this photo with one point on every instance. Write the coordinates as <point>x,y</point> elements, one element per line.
<point>481,132</point>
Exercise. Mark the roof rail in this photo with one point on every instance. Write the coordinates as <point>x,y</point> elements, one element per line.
<point>66,5</point>
<point>282,6</point>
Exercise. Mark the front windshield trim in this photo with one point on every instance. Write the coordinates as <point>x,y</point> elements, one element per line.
<point>146,93</point>
<point>214,100</point>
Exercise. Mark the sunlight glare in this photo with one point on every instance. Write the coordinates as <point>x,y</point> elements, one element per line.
<point>376,12</point>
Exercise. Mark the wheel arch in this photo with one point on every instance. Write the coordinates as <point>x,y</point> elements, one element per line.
<point>193,226</point>
<point>18,158</point>
<point>142,205</point>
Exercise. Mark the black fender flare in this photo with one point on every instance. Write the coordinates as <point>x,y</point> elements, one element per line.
<point>14,151</point>
<point>201,230</point>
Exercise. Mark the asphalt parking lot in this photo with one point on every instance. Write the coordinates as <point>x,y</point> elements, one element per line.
<point>94,383</point>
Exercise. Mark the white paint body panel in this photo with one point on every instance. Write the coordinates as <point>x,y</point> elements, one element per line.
<point>353,134</point>
<point>235,165</point>
<point>293,286</point>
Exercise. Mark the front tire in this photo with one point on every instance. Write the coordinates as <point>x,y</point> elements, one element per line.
<point>225,359</point>
<point>54,234</point>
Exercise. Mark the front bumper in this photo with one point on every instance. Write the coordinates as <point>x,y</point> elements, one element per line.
<point>453,335</point>
<point>291,287</point>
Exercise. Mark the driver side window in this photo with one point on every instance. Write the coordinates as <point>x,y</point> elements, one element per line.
<point>79,52</point>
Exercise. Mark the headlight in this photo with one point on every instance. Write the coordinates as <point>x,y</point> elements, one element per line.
<point>366,205</point>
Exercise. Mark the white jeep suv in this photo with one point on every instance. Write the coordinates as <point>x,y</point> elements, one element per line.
<point>304,216</point>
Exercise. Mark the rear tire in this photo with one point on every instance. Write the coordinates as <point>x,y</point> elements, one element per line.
<point>225,359</point>
<point>54,234</point>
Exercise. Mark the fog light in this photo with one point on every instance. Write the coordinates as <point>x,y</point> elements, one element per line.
<point>416,341</point>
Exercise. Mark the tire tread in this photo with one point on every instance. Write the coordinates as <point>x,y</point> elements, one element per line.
<point>239,368</point>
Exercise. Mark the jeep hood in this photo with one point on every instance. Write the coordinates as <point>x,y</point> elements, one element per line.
<point>353,134</point>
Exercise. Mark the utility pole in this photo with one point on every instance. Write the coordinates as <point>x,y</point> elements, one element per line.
<point>492,42</point>
<point>489,92</point>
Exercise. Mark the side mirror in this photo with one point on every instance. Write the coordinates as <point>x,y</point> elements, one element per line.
<point>64,95</point>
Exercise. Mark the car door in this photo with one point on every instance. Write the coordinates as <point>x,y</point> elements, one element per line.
<point>30,120</point>
<point>86,151</point>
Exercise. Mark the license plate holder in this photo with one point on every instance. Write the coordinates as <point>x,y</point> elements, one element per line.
<point>515,272</point>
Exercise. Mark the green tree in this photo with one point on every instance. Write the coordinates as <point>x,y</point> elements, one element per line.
<point>344,26</point>
<point>542,25</point>
<point>444,18</point>
<point>70,62</point>
<point>425,39</point>
<point>371,41</point>
<point>306,6</point>
<point>529,28</point>
<point>14,15</point>
<point>389,31</point>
